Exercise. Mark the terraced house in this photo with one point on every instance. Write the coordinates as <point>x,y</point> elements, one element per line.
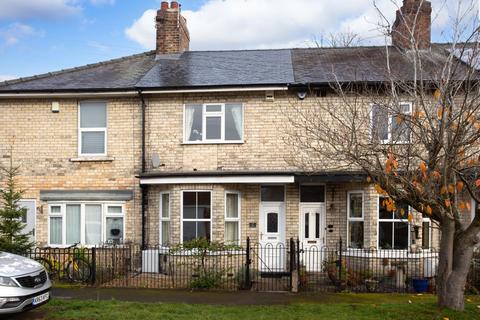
<point>171,145</point>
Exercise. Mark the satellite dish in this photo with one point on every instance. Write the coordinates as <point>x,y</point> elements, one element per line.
<point>155,160</point>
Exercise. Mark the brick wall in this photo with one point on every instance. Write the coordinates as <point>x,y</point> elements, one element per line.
<point>44,144</point>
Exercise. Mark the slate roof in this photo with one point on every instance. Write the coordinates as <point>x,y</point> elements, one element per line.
<point>200,69</point>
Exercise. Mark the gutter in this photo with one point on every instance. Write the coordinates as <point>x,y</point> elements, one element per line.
<point>143,188</point>
<point>130,93</point>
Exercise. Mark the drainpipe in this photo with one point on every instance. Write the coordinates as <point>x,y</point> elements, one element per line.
<point>143,188</point>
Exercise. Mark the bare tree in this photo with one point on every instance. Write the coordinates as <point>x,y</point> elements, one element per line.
<point>425,154</point>
<point>338,40</point>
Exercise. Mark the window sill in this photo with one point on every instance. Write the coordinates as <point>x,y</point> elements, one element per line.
<point>212,142</point>
<point>92,159</point>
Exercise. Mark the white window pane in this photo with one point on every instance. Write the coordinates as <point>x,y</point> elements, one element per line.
<point>356,206</point>
<point>165,205</point>
<point>232,205</point>
<point>55,230</point>
<point>93,224</point>
<point>379,123</point>
<point>213,108</point>
<point>214,128</point>
<point>165,232</point>
<point>55,209</point>
<point>115,209</point>
<point>355,234</point>
<point>73,224</point>
<point>233,122</point>
<point>231,232</point>
<point>114,229</point>
<point>93,142</point>
<point>193,123</point>
<point>93,115</point>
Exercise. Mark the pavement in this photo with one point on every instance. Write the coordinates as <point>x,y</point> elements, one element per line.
<point>173,296</point>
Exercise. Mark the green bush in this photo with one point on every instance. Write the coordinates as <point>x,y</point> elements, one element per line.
<point>207,279</point>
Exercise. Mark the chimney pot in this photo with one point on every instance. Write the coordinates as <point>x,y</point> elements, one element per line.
<point>164,5</point>
<point>174,5</point>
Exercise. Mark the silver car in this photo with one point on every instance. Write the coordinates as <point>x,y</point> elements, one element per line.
<point>24,284</point>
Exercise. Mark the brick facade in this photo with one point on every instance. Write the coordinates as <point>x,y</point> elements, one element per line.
<point>45,147</point>
<point>46,143</point>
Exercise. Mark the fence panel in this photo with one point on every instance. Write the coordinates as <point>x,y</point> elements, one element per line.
<point>258,267</point>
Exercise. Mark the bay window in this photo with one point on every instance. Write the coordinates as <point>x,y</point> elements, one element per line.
<point>355,219</point>
<point>213,123</point>
<point>87,224</point>
<point>393,227</point>
<point>232,217</point>
<point>196,215</point>
<point>165,218</point>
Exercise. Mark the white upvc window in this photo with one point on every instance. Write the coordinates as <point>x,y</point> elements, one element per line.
<point>232,217</point>
<point>213,123</point>
<point>393,227</point>
<point>92,128</point>
<point>196,215</point>
<point>388,126</point>
<point>355,217</point>
<point>165,214</point>
<point>85,223</point>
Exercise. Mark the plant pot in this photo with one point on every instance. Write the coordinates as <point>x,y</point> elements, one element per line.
<point>420,285</point>
<point>371,285</point>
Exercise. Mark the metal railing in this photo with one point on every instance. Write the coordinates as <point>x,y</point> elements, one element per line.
<point>259,267</point>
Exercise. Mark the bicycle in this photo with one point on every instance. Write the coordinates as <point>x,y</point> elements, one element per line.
<point>76,267</point>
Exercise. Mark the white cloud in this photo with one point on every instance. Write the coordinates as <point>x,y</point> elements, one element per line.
<point>5,77</point>
<point>142,30</point>
<point>13,33</point>
<point>233,24</point>
<point>28,9</point>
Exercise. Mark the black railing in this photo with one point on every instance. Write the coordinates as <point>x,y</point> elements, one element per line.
<point>260,267</point>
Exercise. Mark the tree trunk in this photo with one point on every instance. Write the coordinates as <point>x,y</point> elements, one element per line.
<point>454,263</point>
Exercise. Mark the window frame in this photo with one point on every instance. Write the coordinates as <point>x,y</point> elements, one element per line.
<point>161,218</point>
<point>355,219</point>
<point>196,220</point>
<point>427,219</point>
<point>389,124</point>
<point>211,114</point>
<point>82,204</point>
<point>96,129</point>
<point>409,243</point>
<point>237,220</point>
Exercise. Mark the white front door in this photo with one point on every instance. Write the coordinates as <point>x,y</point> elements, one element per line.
<point>272,237</point>
<point>29,217</point>
<point>312,235</point>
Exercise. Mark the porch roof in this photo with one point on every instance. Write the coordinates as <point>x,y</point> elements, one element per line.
<point>153,178</point>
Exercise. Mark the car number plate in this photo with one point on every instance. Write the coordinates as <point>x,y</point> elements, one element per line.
<point>42,298</point>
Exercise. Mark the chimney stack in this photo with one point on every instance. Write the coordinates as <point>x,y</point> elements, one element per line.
<point>172,31</point>
<point>412,26</point>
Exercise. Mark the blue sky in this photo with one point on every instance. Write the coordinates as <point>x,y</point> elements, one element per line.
<point>38,36</point>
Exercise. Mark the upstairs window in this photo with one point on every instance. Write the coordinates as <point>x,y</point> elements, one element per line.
<point>92,129</point>
<point>388,126</point>
<point>213,123</point>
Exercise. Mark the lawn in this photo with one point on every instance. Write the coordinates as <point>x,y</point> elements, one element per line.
<point>338,306</point>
